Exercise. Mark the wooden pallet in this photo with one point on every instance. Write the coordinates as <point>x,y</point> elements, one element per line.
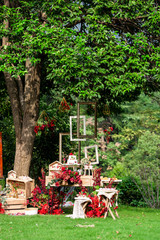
<point>15,205</point>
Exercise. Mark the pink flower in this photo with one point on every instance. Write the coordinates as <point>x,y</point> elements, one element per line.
<point>72,179</point>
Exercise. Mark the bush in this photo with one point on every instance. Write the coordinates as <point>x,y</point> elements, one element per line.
<point>129,193</point>
<point>144,165</point>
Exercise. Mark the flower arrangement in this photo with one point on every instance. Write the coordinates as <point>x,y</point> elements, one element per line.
<point>45,209</point>
<point>96,208</point>
<point>67,176</point>
<point>64,105</point>
<point>47,200</point>
<point>85,161</point>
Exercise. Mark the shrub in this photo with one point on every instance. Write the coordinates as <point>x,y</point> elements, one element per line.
<point>129,193</point>
<point>144,165</point>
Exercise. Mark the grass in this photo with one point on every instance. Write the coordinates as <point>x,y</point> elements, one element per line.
<point>134,223</point>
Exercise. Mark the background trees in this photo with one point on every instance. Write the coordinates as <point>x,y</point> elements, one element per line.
<point>104,51</point>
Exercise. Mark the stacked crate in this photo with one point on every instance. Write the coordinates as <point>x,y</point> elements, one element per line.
<point>20,190</point>
<point>15,205</point>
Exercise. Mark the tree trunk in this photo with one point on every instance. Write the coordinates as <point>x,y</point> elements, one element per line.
<point>24,98</point>
<point>24,119</point>
<point>24,143</point>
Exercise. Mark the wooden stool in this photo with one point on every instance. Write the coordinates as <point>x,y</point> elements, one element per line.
<point>108,196</point>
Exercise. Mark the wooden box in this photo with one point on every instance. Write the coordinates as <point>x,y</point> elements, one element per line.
<point>54,167</point>
<point>87,181</point>
<point>20,188</point>
<point>15,205</point>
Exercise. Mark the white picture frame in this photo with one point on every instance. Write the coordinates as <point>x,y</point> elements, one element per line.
<point>84,128</point>
<point>96,153</point>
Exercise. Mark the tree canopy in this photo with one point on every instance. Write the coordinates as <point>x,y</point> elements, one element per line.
<point>111,48</point>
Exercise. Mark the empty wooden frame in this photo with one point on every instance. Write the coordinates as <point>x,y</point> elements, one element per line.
<point>79,135</point>
<point>61,143</point>
<point>84,128</point>
<point>96,153</point>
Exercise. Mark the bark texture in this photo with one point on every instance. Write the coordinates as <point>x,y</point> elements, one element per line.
<point>24,98</point>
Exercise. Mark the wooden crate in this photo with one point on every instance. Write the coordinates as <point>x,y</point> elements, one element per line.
<point>86,181</point>
<point>24,188</point>
<point>15,205</point>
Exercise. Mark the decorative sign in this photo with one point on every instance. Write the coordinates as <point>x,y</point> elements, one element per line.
<point>12,174</point>
<point>1,161</point>
<point>84,128</point>
<point>96,154</point>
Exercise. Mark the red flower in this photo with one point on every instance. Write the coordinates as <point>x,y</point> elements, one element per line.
<point>71,154</point>
<point>57,184</point>
<point>57,211</point>
<point>43,127</point>
<point>36,129</point>
<point>111,128</point>
<point>63,168</point>
<point>44,209</point>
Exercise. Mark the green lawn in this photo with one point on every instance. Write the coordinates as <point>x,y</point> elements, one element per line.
<point>134,223</point>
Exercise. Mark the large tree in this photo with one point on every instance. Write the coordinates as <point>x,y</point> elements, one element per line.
<point>103,50</point>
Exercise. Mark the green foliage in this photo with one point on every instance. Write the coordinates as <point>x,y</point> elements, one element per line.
<point>2,183</point>
<point>7,128</point>
<point>92,49</point>
<point>119,171</point>
<point>129,193</point>
<point>146,153</point>
<point>110,157</point>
